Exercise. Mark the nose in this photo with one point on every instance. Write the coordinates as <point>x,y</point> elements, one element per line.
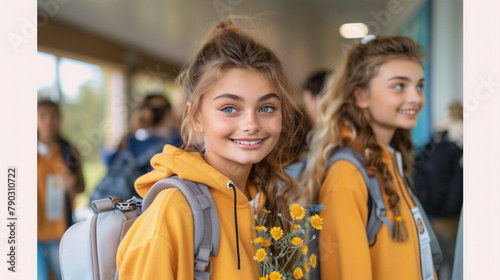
<point>250,123</point>
<point>415,97</point>
<point>46,121</point>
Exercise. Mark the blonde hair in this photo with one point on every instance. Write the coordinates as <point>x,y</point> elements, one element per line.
<point>338,109</point>
<point>225,48</point>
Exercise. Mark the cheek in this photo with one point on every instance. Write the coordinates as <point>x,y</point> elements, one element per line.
<point>39,121</point>
<point>275,126</point>
<point>221,125</point>
<point>217,126</point>
<point>389,103</point>
<point>422,101</point>
<point>56,122</point>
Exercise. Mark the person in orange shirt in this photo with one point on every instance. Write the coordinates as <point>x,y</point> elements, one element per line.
<point>59,180</point>
<point>371,103</point>
<point>240,130</point>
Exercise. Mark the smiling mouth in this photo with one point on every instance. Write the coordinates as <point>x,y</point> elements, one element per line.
<point>408,112</point>
<point>249,143</point>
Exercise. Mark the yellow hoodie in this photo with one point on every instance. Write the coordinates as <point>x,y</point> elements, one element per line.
<point>159,245</point>
<point>344,250</point>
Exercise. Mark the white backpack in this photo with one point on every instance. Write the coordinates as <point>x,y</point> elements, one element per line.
<point>88,248</point>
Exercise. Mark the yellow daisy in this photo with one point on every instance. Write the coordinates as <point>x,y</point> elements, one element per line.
<point>264,278</point>
<point>297,241</point>
<point>260,255</point>
<point>276,233</point>
<point>260,228</point>
<point>294,227</point>
<point>275,275</point>
<point>266,243</point>
<point>317,222</point>
<point>297,212</point>
<point>312,260</point>
<point>258,240</point>
<point>297,273</point>
<point>306,267</point>
<point>304,249</point>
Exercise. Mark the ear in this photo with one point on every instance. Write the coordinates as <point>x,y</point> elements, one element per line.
<point>198,127</point>
<point>361,96</point>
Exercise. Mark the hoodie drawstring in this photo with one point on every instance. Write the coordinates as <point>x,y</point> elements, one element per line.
<point>230,185</point>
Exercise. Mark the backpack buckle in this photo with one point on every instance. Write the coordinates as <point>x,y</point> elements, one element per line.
<point>137,201</point>
<point>125,206</point>
<point>380,212</point>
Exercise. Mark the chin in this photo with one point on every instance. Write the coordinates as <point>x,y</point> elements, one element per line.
<point>249,160</point>
<point>408,127</point>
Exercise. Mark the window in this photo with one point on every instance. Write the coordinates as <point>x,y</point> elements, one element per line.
<point>90,96</point>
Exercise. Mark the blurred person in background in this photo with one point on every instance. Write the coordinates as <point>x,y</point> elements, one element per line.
<point>151,123</point>
<point>312,91</point>
<point>150,129</point>
<point>59,179</point>
<point>438,182</point>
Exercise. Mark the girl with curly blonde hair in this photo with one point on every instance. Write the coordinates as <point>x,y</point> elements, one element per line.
<point>240,129</point>
<point>370,105</point>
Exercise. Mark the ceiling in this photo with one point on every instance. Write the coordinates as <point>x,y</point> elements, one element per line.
<point>304,33</point>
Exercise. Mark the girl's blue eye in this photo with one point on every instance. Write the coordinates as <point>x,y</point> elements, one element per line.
<point>267,109</point>
<point>420,87</point>
<point>399,87</point>
<point>229,110</point>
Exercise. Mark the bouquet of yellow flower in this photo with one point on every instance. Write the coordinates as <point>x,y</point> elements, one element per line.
<point>284,255</point>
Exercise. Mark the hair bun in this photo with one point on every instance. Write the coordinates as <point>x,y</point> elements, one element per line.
<point>226,24</point>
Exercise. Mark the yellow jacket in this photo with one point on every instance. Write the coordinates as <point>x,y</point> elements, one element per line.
<point>159,245</point>
<point>344,250</point>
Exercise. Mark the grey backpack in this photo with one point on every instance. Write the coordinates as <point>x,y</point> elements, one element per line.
<point>376,207</point>
<point>88,248</point>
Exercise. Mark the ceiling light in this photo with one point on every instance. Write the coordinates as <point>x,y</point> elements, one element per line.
<point>353,30</point>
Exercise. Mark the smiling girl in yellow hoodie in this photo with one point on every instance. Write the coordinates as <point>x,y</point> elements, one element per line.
<point>370,105</point>
<point>240,129</point>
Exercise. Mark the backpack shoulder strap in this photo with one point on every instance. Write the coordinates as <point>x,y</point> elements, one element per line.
<point>378,214</point>
<point>205,218</point>
<point>295,169</point>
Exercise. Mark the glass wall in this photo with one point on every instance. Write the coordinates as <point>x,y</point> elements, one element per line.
<point>90,96</point>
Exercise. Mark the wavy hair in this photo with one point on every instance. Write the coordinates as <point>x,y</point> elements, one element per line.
<point>338,109</point>
<point>226,48</point>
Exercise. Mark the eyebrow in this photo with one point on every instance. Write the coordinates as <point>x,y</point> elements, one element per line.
<point>269,96</point>
<point>404,78</point>
<point>238,98</point>
<point>228,95</point>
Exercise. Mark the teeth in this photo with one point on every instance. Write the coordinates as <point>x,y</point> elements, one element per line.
<point>408,112</point>
<point>247,142</point>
